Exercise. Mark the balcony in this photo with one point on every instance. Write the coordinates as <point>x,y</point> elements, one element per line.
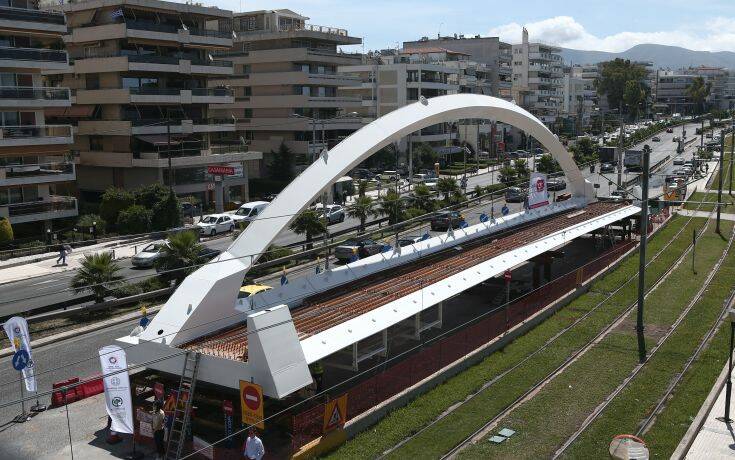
<point>55,207</point>
<point>154,95</point>
<point>32,20</point>
<point>11,136</point>
<point>33,58</point>
<point>197,125</point>
<point>176,32</point>
<point>44,173</point>
<point>336,34</point>
<point>332,101</point>
<point>216,154</point>
<point>30,96</point>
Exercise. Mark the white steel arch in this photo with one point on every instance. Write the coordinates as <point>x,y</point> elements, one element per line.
<point>204,302</point>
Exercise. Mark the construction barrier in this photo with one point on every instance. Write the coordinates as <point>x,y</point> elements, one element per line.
<point>307,425</point>
<point>89,387</point>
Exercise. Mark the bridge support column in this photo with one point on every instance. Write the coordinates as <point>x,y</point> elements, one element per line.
<point>536,275</point>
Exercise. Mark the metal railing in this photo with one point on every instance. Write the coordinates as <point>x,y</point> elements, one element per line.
<point>173,60</point>
<point>54,204</point>
<point>174,29</point>
<point>33,170</point>
<point>298,27</point>
<point>34,92</point>
<point>21,132</point>
<point>26,14</point>
<point>152,91</point>
<point>211,92</point>
<point>32,54</point>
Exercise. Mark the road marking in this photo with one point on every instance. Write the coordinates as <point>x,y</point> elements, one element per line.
<point>44,282</point>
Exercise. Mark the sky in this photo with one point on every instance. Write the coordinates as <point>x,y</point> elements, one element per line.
<point>604,25</point>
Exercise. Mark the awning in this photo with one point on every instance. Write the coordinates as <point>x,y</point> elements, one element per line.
<point>159,139</point>
<point>75,111</point>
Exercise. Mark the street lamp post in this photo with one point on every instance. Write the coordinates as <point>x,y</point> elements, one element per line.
<point>642,252</point>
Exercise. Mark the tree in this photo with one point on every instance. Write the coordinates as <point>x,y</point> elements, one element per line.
<point>522,171</point>
<point>181,253</point>
<point>6,230</point>
<point>134,220</point>
<point>698,91</point>
<point>507,175</point>
<point>421,198</point>
<point>633,96</point>
<point>114,200</point>
<point>281,165</point>
<point>613,79</point>
<point>447,185</point>
<point>166,213</point>
<point>426,155</point>
<point>584,151</point>
<point>391,205</point>
<point>547,164</point>
<point>98,274</point>
<point>87,221</point>
<point>310,224</point>
<point>149,196</point>
<point>361,209</point>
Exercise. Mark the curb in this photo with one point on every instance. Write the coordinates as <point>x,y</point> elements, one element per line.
<point>40,343</point>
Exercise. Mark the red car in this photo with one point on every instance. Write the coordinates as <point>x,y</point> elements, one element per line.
<point>669,130</point>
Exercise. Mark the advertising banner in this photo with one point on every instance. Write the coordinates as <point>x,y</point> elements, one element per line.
<point>117,388</point>
<point>537,194</point>
<point>16,329</point>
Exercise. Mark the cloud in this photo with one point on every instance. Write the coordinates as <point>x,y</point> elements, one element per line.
<point>565,31</point>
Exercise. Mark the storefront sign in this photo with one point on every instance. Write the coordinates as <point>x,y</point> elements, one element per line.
<point>220,170</point>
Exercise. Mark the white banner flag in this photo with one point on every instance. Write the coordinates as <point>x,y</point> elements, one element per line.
<point>117,388</point>
<point>537,194</point>
<point>17,330</point>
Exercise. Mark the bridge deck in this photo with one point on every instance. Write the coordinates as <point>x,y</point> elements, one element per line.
<point>330,308</point>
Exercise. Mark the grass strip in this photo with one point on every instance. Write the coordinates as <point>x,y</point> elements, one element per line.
<point>408,420</point>
<point>711,197</point>
<point>556,412</point>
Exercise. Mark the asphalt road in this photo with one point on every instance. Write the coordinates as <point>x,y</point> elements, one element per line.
<point>37,292</point>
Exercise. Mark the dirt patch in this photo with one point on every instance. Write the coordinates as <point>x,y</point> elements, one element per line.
<point>652,331</point>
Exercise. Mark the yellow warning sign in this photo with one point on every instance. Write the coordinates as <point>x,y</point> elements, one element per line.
<point>335,413</point>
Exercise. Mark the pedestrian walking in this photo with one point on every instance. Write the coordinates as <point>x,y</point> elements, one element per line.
<point>64,249</point>
<point>254,449</point>
<point>157,426</point>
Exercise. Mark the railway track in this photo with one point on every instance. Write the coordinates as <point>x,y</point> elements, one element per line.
<point>546,345</point>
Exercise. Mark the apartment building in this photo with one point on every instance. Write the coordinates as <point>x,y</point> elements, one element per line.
<point>671,92</point>
<point>139,72</point>
<point>36,174</point>
<point>579,101</point>
<point>390,80</point>
<point>285,83</point>
<point>494,54</point>
<point>538,79</point>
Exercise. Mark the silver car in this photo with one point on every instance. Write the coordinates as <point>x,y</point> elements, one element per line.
<point>147,257</point>
<point>334,213</point>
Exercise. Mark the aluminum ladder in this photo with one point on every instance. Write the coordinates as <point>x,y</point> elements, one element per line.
<point>181,416</point>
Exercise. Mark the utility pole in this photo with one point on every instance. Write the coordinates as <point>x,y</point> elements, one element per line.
<point>642,262</point>
<point>732,156</point>
<point>410,162</point>
<point>168,149</point>
<point>701,137</point>
<point>620,147</point>
<point>719,181</point>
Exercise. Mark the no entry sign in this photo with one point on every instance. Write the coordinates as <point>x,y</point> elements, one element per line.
<point>251,402</point>
<point>219,170</point>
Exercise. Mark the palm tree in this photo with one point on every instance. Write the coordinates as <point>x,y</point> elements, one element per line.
<point>698,91</point>
<point>422,198</point>
<point>391,205</point>
<point>97,274</point>
<point>362,208</point>
<point>522,171</point>
<point>447,185</point>
<point>507,175</point>
<point>310,224</point>
<point>180,256</point>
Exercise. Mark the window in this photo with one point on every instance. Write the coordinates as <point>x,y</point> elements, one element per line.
<point>95,143</point>
<point>92,81</point>
<point>9,118</point>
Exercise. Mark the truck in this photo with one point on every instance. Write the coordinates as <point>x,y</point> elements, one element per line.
<point>633,159</point>
<point>608,155</point>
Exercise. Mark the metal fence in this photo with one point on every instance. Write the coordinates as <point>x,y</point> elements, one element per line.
<point>307,425</point>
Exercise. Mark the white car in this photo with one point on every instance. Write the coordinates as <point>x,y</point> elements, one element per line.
<point>334,214</point>
<point>249,211</point>
<point>215,223</point>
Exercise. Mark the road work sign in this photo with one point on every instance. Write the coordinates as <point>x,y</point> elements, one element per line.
<point>251,401</point>
<point>335,413</point>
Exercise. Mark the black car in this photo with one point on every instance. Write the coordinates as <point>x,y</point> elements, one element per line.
<point>444,219</point>
<point>515,195</point>
<point>555,184</point>
<point>607,168</point>
<point>409,240</point>
<point>357,247</point>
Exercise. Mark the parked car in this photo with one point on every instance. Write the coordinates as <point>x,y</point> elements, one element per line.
<point>252,289</point>
<point>249,211</point>
<point>522,154</point>
<point>408,240</point>
<point>555,184</point>
<point>675,139</point>
<point>607,168</point>
<point>363,174</point>
<point>444,219</point>
<point>678,161</point>
<point>708,135</point>
<point>362,247</point>
<point>515,195</point>
<point>656,139</point>
<point>334,213</point>
<point>669,130</point>
<point>389,175</point>
<point>214,224</point>
<point>189,209</point>
<point>618,195</point>
<point>148,256</point>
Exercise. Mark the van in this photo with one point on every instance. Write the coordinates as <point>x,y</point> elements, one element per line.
<point>249,211</point>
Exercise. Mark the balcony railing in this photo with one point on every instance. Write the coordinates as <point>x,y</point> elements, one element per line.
<point>34,170</point>
<point>174,60</point>
<point>174,28</point>
<point>31,92</point>
<point>298,27</point>
<point>54,204</point>
<point>33,131</point>
<point>25,14</point>
<point>221,92</point>
<point>197,121</point>
<point>32,54</point>
<point>151,91</point>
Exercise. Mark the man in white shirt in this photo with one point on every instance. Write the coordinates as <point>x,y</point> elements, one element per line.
<point>254,449</point>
